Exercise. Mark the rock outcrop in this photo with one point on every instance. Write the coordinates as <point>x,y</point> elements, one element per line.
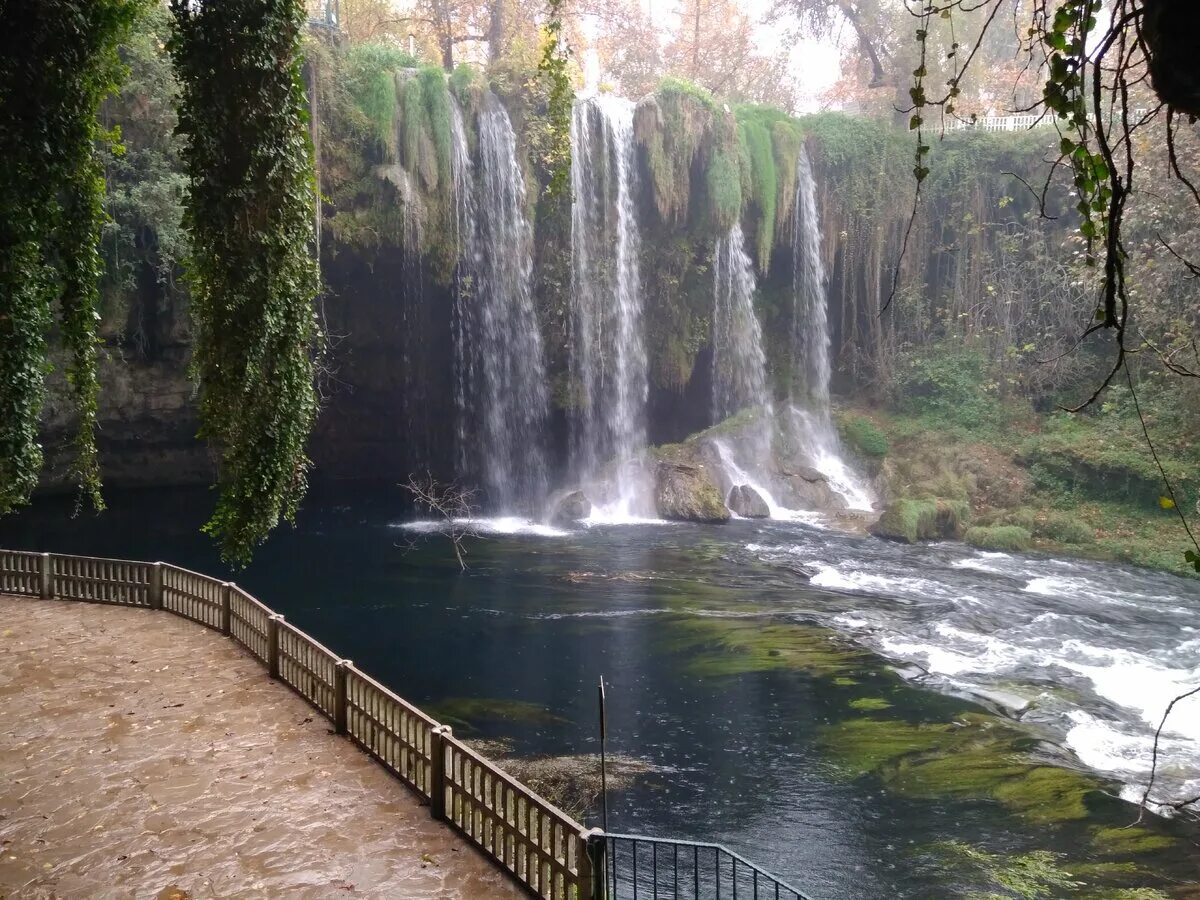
<point>684,487</point>
<point>569,508</point>
<point>746,502</point>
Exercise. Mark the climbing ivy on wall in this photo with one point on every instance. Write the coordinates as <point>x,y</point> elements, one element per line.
<point>253,279</point>
<point>58,60</point>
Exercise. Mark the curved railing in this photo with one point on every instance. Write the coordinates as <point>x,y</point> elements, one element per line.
<point>546,851</point>
<point>542,848</point>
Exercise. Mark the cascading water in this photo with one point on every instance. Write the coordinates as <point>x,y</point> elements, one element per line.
<point>501,383</point>
<point>463,319</point>
<point>608,355</point>
<point>808,420</point>
<point>739,371</point>
<point>739,363</point>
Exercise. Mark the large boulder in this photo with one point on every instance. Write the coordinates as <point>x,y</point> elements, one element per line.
<point>570,508</point>
<point>746,502</point>
<point>806,488</point>
<point>685,488</point>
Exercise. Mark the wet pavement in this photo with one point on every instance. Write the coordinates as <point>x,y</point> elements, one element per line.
<point>145,756</point>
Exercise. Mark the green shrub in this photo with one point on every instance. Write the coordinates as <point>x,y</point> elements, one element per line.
<point>1064,528</point>
<point>863,436</point>
<point>951,518</point>
<point>999,537</point>
<point>1024,518</point>
<point>949,383</point>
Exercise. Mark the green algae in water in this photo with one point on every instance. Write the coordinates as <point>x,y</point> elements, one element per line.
<point>719,646</point>
<point>977,758</point>
<point>1045,875</point>
<point>1030,876</point>
<point>870,704</point>
<point>1117,841</point>
<point>466,713</point>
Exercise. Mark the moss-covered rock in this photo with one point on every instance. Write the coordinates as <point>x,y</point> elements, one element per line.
<point>911,520</point>
<point>684,487</point>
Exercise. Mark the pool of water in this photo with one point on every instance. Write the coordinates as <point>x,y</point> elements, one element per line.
<point>914,722</point>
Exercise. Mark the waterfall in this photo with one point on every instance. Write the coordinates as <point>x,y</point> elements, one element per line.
<point>739,364</point>
<point>739,372</point>
<point>463,321</point>
<point>608,354</point>
<point>810,319</point>
<point>500,377</point>
<point>808,418</point>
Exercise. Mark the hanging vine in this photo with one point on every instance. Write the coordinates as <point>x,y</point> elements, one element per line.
<point>553,67</point>
<point>253,278</point>
<point>58,60</point>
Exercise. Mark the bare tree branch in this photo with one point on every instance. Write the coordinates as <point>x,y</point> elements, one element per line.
<point>455,506</point>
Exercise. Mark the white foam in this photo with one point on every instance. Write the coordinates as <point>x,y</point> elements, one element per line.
<point>498,525</point>
<point>619,516</point>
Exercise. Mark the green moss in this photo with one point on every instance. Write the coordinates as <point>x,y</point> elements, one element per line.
<point>764,184</point>
<point>870,704</point>
<point>863,436</point>
<point>370,77</point>
<point>435,93</point>
<point>673,126</point>
<point>1131,840</point>
<point>1008,538</point>
<point>906,521</point>
<point>723,183</point>
<point>412,124</point>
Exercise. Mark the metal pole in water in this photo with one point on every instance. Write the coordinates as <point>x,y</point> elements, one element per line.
<point>603,760</point>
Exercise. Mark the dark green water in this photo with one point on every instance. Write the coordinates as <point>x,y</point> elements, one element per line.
<point>772,709</point>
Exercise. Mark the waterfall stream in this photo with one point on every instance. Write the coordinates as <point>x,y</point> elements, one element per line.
<point>608,354</point>
<point>501,388</point>
<point>808,419</point>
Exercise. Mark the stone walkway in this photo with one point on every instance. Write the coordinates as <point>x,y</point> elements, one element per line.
<point>144,756</point>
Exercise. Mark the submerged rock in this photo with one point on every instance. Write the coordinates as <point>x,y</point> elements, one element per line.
<point>747,502</point>
<point>570,508</point>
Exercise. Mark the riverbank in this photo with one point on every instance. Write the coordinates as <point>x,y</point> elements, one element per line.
<point>1079,486</point>
<point>142,754</point>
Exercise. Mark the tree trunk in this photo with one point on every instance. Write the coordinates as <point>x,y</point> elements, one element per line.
<point>496,30</point>
<point>447,53</point>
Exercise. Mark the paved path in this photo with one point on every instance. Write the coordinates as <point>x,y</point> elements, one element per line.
<point>144,756</point>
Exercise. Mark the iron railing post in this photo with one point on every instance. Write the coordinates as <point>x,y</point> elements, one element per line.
<point>595,842</point>
<point>155,594</point>
<point>227,608</point>
<point>339,695</point>
<point>437,771</point>
<point>273,644</point>
<point>47,587</point>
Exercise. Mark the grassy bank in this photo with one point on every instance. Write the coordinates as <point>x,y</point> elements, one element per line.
<point>1081,485</point>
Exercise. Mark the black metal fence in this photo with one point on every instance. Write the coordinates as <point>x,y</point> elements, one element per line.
<point>641,868</point>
